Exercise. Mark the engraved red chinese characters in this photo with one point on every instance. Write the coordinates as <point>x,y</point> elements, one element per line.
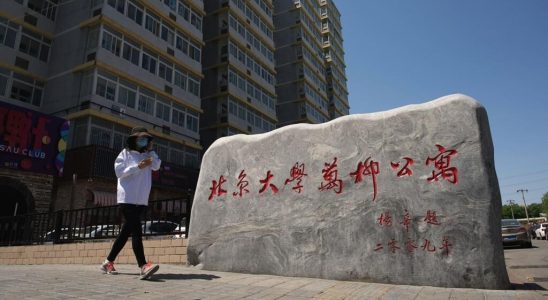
<point>405,170</point>
<point>442,163</point>
<point>266,183</point>
<point>330,177</point>
<point>296,174</point>
<point>217,188</point>
<point>242,184</point>
<point>367,168</point>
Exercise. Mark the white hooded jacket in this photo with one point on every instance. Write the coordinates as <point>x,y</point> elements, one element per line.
<point>133,183</point>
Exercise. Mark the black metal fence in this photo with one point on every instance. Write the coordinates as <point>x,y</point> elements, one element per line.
<point>166,217</point>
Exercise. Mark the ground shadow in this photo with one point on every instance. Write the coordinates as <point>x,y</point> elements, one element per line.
<point>531,286</point>
<point>164,276</point>
<point>518,248</point>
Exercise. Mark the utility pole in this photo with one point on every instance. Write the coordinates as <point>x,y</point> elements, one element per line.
<point>511,202</point>
<point>522,191</point>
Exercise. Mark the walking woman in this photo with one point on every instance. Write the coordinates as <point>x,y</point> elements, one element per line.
<point>133,167</point>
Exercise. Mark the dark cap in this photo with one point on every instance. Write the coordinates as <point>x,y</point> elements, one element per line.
<point>140,131</point>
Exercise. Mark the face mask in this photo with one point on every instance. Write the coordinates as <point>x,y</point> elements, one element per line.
<point>142,142</point>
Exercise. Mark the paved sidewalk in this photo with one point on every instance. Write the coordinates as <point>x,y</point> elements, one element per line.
<point>181,282</point>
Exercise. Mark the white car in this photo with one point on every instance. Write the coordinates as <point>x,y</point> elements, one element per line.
<point>541,231</point>
<point>103,231</point>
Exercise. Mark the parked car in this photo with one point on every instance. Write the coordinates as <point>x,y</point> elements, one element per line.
<point>540,233</point>
<point>103,231</point>
<point>65,234</point>
<point>513,233</point>
<point>533,229</point>
<point>159,227</point>
<point>180,232</point>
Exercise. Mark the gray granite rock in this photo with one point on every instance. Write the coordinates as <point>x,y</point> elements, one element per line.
<point>435,222</point>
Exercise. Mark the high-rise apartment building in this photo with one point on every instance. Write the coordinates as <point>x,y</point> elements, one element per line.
<point>332,41</point>
<point>238,92</point>
<point>107,66</point>
<point>304,63</point>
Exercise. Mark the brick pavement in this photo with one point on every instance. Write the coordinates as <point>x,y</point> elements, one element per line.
<point>181,282</point>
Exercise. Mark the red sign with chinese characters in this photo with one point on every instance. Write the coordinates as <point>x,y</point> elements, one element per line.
<point>32,141</point>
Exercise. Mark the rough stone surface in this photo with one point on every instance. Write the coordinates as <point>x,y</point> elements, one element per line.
<point>453,235</point>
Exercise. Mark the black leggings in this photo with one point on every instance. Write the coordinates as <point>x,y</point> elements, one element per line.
<point>132,213</point>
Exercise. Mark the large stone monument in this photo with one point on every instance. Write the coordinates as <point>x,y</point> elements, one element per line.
<point>406,196</point>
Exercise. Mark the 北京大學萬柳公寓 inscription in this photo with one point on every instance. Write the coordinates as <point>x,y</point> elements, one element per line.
<point>407,196</point>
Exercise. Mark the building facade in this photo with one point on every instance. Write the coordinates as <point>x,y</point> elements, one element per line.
<point>308,76</point>
<point>190,71</point>
<point>107,66</point>
<point>332,42</point>
<point>238,92</point>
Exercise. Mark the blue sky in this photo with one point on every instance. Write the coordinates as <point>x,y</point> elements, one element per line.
<point>407,52</point>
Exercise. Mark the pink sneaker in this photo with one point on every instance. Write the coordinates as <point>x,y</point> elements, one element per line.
<point>148,269</point>
<point>108,267</point>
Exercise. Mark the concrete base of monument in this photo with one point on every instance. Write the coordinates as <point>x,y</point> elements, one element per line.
<point>407,196</point>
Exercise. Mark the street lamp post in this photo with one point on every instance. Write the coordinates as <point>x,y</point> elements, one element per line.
<point>511,203</point>
<point>522,191</point>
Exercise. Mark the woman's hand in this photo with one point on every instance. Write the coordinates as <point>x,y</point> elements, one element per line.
<point>145,163</point>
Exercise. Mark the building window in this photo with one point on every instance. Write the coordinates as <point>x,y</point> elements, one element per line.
<point>163,110</point>
<point>99,136</point>
<point>167,34</point>
<point>127,95</point>
<point>194,85</point>
<point>165,71</point>
<point>26,89</point>
<point>191,159</point>
<point>178,116</point>
<point>182,44</point>
<point>47,8</point>
<point>111,42</point>
<point>180,78</point>
<point>184,11</point>
<point>118,4</point>
<point>131,52</point>
<point>196,20</point>
<point>192,121</point>
<point>135,12</point>
<point>194,52</point>
<point>4,77</point>
<point>152,23</point>
<point>149,62</point>
<point>106,88</point>
<point>146,104</point>
<point>172,4</point>
<point>8,32</point>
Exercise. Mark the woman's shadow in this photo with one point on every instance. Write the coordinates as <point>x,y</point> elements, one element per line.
<point>161,277</point>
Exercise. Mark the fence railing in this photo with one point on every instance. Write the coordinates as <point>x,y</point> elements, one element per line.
<point>164,217</point>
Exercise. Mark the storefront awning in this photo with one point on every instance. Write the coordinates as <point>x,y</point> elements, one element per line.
<point>101,198</point>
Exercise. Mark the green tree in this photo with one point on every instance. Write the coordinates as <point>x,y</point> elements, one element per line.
<point>534,210</point>
<point>545,203</point>
<point>519,211</point>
